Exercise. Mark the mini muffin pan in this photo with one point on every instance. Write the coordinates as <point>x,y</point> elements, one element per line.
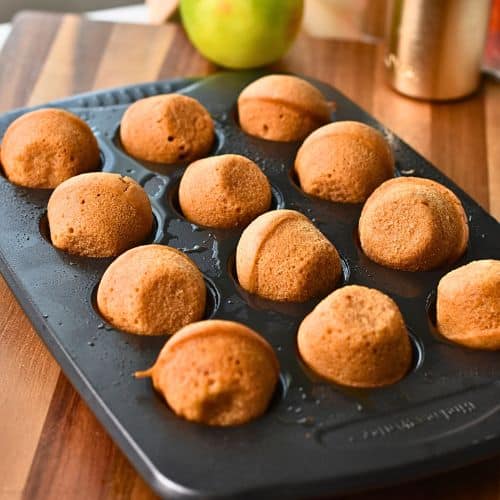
<point>316,438</point>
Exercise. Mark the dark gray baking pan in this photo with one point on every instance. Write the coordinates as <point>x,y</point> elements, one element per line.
<point>316,439</point>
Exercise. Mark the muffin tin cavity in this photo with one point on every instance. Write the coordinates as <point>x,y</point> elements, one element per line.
<point>430,309</point>
<point>417,353</point>
<point>156,234</point>
<point>43,224</point>
<point>450,391</point>
<point>277,199</point>
<point>213,299</point>
<point>281,391</point>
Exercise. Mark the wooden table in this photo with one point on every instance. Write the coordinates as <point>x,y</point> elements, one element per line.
<point>51,446</point>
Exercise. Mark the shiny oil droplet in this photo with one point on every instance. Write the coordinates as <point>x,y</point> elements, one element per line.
<point>306,421</point>
<point>155,186</point>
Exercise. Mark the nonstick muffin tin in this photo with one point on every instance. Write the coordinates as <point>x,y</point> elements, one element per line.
<point>316,438</point>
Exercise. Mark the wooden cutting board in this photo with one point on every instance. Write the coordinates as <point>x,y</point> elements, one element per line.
<point>51,446</point>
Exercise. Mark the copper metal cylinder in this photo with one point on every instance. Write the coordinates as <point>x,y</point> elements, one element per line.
<point>435,47</point>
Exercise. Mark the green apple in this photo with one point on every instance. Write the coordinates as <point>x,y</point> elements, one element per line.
<point>242,33</point>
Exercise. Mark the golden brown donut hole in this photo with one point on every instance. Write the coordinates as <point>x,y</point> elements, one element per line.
<point>168,128</point>
<point>344,162</point>
<point>468,305</point>
<point>152,290</point>
<point>216,372</point>
<point>413,224</point>
<point>99,215</point>
<point>282,108</point>
<point>43,148</point>
<point>225,191</point>
<point>356,337</point>
<point>282,256</point>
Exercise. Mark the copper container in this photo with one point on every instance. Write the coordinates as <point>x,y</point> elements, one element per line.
<point>435,47</point>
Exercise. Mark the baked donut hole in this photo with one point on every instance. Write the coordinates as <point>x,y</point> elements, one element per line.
<point>417,361</point>
<point>281,108</point>
<point>467,305</point>
<point>277,201</point>
<point>43,148</point>
<point>153,290</point>
<point>294,309</point>
<point>413,224</point>
<point>224,192</point>
<point>212,302</point>
<point>180,158</point>
<point>167,129</point>
<point>115,215</point>
<point>282,256</point>
<point>356,337</point>
<point>215,372</point>
<point>343,162</point>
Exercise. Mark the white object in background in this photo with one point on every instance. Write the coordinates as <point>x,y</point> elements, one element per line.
<point>160,11</point>
<point>347,19</point>
<point>135,14</point>
<point>334,18</point>
<point>4,33</point>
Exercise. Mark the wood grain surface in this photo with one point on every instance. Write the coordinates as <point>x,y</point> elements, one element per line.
<point>51,446</point>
